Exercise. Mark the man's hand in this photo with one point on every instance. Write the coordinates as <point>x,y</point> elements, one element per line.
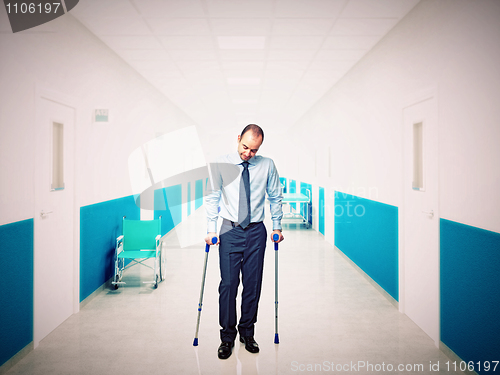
<point>208,238</point>
<point>278,232</point>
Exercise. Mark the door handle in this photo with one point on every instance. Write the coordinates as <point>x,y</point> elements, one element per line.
<point>44,214</point>
<point>430,213</point>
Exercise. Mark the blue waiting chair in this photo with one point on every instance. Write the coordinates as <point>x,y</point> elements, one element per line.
<point>140,241</point>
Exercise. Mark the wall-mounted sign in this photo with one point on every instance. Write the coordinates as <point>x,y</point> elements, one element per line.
<point>101,115</point>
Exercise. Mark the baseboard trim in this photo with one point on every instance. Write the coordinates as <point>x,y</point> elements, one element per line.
<point>454,358</point>
<point>16,358</point>
<point>95,293</point>
<point>369,279</point>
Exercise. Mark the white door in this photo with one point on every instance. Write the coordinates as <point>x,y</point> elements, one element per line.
<point>421,217</point>
<point>54,208</point>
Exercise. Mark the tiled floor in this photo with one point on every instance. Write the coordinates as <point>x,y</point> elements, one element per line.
<point>330,320</point>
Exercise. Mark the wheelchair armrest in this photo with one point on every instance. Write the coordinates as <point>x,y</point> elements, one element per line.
<point>118,239</point>
<point>157,238</point>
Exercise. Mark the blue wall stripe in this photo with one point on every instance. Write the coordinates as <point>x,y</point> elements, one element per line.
<point>100,224</point>
<point>367,232</point>
<point>470,292</point>
<point>16,278</point>
<point>321,211</point>
<point>198,194</point>
<point>170,198</point>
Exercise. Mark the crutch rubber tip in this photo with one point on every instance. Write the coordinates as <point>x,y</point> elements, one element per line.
<point>276,339</point>
<point>195,342</point>
<point>276,237</point>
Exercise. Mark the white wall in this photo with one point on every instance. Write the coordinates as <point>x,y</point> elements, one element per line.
<point>448,45</point>
<point>63,56</point>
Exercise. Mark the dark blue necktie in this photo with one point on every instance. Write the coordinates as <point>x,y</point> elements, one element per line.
<point>244,204</point>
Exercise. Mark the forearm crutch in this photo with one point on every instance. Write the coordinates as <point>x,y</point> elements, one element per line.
<point>207,249</point>
<point>276,237</point>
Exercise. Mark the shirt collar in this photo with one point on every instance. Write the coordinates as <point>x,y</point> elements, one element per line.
<point>235,158</point>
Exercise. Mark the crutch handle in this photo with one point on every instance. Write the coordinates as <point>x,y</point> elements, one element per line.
<point>276,237</point>
<point>207,247</point>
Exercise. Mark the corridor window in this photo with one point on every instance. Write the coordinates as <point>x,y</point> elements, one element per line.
<point>57,156</point>
<point>418,162</point>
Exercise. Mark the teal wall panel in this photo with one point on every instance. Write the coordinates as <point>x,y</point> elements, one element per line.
<point>100,225</point>
<point>367,232</point>
<point>198,194</point>
<point>321,211</point>
<point>470,292</point>
<point>16,293</point>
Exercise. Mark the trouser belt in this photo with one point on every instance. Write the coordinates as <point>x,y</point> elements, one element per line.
<point>235,224</point>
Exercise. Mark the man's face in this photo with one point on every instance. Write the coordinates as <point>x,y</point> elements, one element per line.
<point>248,145</point>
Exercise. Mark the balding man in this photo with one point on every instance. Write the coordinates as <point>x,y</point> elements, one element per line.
<point>243,235</point>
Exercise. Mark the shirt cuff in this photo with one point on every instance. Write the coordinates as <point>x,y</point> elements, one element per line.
<point>212,227</point>
<point>277,225</point>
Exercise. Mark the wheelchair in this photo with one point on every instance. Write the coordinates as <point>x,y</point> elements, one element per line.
<point>140,241</point>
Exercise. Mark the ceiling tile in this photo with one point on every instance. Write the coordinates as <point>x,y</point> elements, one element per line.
<point>241,42</point>
<point>178,26</point>
<point>295,42</point>
<point>170,8</point>
<point>187,42</point>
<point>239,8</point>
<point>257,65</point>
<point>363,26</point>
<point>144,54</point>
<point>208,54</point>
<point>247,94</point>
<point>250,55</point>
<point>198,65</point>
<point>309,8</point>
<point>159,65</point>
<point>240,26</point>
<point>339,54</point>
<point>350,42</point>
<point>132,42</point>
<point>377,9</point>
<point>287,64</point>
<point>126,25</point>
<point>291,54</point>
<point>244,81</point>
<point>98,8</point>
<point>331,65</point>
<point>302,26</point>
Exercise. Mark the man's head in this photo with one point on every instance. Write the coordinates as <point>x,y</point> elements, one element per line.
<point>249,141</point>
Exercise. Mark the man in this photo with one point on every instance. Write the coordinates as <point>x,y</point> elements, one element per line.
<point>239,182</point>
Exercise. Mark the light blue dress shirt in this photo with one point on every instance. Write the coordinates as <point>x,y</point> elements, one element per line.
<point>224,188</point>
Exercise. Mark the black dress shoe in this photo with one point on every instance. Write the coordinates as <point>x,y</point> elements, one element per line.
<point>250,344</point>
<point>225,349</point>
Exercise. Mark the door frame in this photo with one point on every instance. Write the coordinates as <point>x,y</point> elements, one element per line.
<point>42,92</point>
<point>412,99</point>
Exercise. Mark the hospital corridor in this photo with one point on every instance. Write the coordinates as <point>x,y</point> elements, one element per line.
<point>364,132</point>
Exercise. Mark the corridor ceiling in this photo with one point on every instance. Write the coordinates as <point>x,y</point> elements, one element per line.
<point>228,63</point>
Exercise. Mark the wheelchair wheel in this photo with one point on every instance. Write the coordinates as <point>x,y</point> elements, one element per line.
<point>156,282</point>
